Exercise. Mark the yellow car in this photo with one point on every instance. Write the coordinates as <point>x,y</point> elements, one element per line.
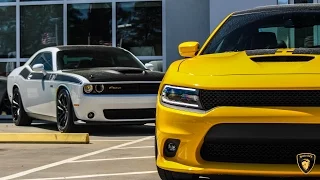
<point>246,103</point>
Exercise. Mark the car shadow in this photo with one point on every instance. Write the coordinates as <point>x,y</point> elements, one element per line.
<point>105,130</point>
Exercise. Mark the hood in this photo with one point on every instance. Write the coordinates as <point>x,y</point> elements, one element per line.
<point>117,74</point>
<point>251,63</point>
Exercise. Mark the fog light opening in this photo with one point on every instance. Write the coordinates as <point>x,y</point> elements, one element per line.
<point>90,115</point>
<point>171,147</point>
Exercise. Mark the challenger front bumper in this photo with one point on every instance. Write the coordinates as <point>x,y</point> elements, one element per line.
<point>232,125</point>
<point>116,108</point>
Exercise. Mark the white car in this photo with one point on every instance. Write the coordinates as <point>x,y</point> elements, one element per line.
<point>83,84</point>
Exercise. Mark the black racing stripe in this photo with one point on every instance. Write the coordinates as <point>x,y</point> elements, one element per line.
<point>25,73</point>
<point>65,78</point>
<point>38,76</point>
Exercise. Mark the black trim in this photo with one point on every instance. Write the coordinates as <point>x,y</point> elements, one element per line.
<point>40,76</point>
<point>111,74</point>
<point>260,52</point>
<point>264,143</point>
<point>263,132</point>
<point>306,51</point>
<point>282,59</point>
<point>66,78</point>
<point>25,73</point>
<point>129,113</point>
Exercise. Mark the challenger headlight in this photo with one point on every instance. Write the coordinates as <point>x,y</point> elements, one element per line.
<point>180,96</point>
<point>88,88</point>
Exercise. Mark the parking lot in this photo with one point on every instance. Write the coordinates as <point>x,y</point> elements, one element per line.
<point>113,153</point>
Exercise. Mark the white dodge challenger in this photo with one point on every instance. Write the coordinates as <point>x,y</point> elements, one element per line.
<point>83,85</point>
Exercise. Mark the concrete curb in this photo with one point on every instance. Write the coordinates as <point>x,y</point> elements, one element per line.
<point>47,138</point>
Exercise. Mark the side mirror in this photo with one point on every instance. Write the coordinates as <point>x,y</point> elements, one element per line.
<point>188,49</point>
<point>149,66</point>
<point>39,68</point>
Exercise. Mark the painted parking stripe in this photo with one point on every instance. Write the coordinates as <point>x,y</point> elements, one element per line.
<point>139,147</point>
<point>23,173</point>
<point>115,140</point>
<point>112,159</point>
<point>97,175</point>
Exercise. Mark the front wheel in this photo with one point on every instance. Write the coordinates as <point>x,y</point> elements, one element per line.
<point>168,175</point>
<point>65,114</point>
<point>19,115</point>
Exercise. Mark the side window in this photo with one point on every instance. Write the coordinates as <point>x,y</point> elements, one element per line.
<point>45,59</point>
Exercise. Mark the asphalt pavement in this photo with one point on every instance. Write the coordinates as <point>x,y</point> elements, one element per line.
<point>114,152</point>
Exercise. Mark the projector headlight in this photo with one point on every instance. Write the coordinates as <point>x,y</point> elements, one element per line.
<point>180,96</point>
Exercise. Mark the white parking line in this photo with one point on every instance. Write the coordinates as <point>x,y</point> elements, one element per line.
<point>20,174</point>
<point>97,175</point>
<point>139,147</point>
<point>112,159</point>
<point>106,140</point>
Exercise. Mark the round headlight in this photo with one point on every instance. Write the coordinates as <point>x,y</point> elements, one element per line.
<point>99,88</point>
<point>88,88</point>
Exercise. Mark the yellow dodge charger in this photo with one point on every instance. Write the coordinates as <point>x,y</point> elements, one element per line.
<point>246,103</point>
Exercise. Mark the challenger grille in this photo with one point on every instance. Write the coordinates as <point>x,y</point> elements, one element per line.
<point>214,98</point>
<point>264,153</point>
<point>134,88</point>
<point>129,113</point>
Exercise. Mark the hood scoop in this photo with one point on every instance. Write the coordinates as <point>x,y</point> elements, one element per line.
<point>130,71</point>
<point>282,58</point>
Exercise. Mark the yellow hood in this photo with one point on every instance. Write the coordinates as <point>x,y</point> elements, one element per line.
<point>239,63</point>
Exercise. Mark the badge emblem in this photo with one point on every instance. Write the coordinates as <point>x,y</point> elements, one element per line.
<point>306,162</point>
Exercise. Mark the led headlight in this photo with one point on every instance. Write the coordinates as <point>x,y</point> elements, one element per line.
<point>88,88</point>
<point>180,96</point>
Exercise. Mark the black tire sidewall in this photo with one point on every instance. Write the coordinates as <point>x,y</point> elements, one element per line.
<point>69,127</point>
<point>23,118</point>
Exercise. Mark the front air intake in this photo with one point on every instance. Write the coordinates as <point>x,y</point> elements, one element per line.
<point>282,59</point>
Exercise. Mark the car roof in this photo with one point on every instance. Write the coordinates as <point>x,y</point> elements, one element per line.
<point>283,8</point>
<point>87,47</point>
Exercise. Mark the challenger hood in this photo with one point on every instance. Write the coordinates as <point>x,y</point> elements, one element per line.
<point>256,62</point>
<point>117,74</point>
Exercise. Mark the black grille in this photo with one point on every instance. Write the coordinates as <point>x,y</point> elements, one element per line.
<point>134,88</point>
<point>129,113</point>
<point>268,153</point>
<point>214,98</point>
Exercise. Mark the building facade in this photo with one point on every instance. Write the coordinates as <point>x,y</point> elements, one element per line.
<point>150,29</point>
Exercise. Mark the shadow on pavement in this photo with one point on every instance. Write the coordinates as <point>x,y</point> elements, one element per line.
<point>95,130</point>
<point>106,130</point>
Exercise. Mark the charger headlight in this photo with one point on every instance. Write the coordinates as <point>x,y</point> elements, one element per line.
<point>180,96</point>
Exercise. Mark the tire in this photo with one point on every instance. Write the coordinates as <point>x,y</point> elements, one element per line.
<point>65,112</point>
<point>168,175</point>
<point>19,115</point>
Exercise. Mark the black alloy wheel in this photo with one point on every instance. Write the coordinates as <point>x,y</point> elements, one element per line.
<point>65,114</point>
<point>19,115</point>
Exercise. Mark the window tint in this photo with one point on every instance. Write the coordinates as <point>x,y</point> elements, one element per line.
<point>45,59</point>
<point>79,59</point>
<point>266,31</point>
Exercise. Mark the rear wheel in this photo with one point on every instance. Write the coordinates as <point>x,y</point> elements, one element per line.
<point>19,115</point>
<point>65,113</point>
<point>169,175</point>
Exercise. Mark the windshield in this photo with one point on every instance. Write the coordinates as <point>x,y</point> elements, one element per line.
<point>266,30</point>
<point>80,59</point>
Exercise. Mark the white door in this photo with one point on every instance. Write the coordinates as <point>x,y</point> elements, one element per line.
<point>35,87</point>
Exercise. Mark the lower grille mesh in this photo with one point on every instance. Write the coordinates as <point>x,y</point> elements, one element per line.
<point>266,153</point>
